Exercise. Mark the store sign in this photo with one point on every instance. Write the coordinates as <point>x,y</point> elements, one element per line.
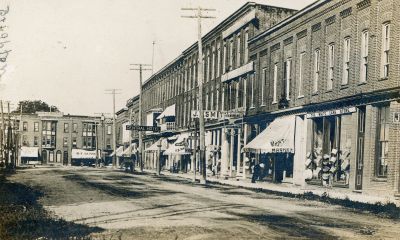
<point>332,112</point>
<point>208,114</point>
<point>143,128</point>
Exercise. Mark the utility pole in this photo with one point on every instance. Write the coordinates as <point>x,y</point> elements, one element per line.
<point>152,59</point>
<point>103,137</point>
<point>141,69</point>
<point>2,138</point>
<point>199,16</point>
<point>114,91</point>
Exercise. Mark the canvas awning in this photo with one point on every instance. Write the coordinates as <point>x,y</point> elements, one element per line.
<point>29,152</point>
<point>180,146</point>
<point>119,152</point>
<point>277,137</point>
<point>168,112</point>
<point>132,149</point>
<point>154,146</point>
<point>83,154</point>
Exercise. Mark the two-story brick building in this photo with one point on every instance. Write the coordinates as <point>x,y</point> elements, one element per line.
<point>330,73</point>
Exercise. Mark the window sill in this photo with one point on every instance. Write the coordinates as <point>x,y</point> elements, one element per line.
<point>329,91</point>
<point>252,107</point>
<point>314,93</point>
<point>383,78</point>
<point>263,105</point>
<point>275,102</point>
<point>379,179</point>
<point>300,97</point>
<point>361,83</point>
<point>344,86</point>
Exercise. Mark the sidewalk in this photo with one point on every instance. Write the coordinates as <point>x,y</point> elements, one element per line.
<point>287,188</point>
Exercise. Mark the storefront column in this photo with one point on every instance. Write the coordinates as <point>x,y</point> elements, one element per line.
<point>244,175</point>
<point>231,152</point>
<point>239,155</point>
<point>224,152</point>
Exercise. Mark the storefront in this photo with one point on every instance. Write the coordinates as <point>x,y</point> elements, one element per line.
<point>154,152</point>
<point>178,154</point>
<point>332,144</point>
<point>30,155</point>
<point>81,157</point>
<point>274,149</point>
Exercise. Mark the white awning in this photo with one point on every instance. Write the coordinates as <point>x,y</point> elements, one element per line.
<point>180,146</point>
<point>154,146</point>
<point>277,137</point>
<point>29,152</point>
<point>83,154</point>
<point>168,112</point>
<point>118,151</point>
<point>132,149</point>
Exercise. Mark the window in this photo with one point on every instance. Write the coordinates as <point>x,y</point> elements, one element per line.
<point>230,54</point>
<point>331,63</point>
<point>274,100</point>
<point>51,156</point>
<point>224,58</point>
<point>238,49</point>
<point>385,50</point>
<point>66,127</point>
<point>263,83</point>
<point>35,141</point>
<point>24,126</point>
<point>346,61</point>
<point>382,144</point>
<point>246,49</point>
<point>316,70</point>
<point>75,127</point>
<point>74,142</point>
<point>252,90</point>
<point>49,134</point>
<point>109,130</point>
<point>300,78</point>
<point>25,140</point>
<point>364,57</point>
<point>65,142</point>
<point>288,77</point>
<point>36,127</point>
<point>108,143</point>
<point>217,60</point>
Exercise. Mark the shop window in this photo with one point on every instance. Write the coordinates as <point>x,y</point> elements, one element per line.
<point>382,144</point>
<point>329,159</point>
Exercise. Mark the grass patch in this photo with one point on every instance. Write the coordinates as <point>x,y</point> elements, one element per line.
<point>22,217</point>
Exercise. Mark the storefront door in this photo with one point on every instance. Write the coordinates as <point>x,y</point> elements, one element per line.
<point>360,147</point>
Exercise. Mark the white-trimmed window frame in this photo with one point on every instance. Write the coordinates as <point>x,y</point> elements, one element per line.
<point>385,50</point>
<point>317,57</point>
<point>331,66</point>
<point>275,84</point>
<point>346,60</point>
<point>300,77</point>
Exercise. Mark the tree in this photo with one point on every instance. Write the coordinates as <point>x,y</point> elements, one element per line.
<point>32,106</point>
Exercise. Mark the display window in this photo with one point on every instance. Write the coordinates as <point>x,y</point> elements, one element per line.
<point>328,162</point>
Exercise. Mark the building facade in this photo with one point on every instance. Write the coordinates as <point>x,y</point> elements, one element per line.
<point>55,138</point>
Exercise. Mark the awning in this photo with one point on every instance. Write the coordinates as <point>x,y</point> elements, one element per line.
<point>154,146</point>
<point>168,112</point>
<point>29,152</point>
<point>83,154</point>
<point>180,147</point>
<point>118,151</point>
<point>132,149</point>
<point>277,137</point>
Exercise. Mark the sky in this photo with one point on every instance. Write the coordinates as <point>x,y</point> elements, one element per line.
<point>68,52</point>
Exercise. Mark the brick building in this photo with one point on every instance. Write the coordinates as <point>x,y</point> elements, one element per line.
<point>332,69</point>
<point>55,138</point>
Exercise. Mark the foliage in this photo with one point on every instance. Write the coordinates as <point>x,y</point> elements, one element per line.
<point>32,106</point>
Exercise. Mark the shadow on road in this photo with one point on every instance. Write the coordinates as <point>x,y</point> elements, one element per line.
<point>22,217</point>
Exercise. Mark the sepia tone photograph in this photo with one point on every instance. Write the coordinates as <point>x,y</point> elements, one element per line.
<point>199,119</point>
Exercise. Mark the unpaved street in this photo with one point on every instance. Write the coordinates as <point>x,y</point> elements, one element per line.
<point>144,206</point>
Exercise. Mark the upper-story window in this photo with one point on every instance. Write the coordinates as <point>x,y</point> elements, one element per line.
<point>252,90</point>
<point>288,77</point>
<point>66,127</point>
<point>231,54</point>
<point>364,57</point>
<point>218,59</point>
<point>263,83</point>
<point>238,49</point>
<point>385,50</point>
<point>109,130</point>
<point>331,65</point>
<point>301,72</point>
<point>224,57</point>
<point>36,127</point>
<point>316,70</point>
<point>25,126</point>
<point>74,127</point>
<point>212,59</point>
<point>274,99</point>
<point>246,49</point>
<point>346,61</point>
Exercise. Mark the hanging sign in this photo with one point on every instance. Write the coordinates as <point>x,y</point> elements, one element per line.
<point>332,112</point>
<point>208,114</point>
<point>143,128</point>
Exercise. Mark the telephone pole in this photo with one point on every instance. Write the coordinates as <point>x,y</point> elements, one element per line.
<point>103,138</point>
<point>199,15</point>
<point>140,69</point>
<point>114,91</point>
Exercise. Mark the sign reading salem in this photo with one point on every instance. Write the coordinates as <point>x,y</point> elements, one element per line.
<point>143,128</point>
<point>332,112</point>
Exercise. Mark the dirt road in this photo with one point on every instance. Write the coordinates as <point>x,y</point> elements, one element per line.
<point>129,206</point>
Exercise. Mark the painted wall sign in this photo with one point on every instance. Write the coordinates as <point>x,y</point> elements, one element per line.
<point>333,112</point>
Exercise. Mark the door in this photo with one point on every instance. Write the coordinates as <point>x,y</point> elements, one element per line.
<point>360,147</point>
<point>44,157</point>
<point>65,158</point>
